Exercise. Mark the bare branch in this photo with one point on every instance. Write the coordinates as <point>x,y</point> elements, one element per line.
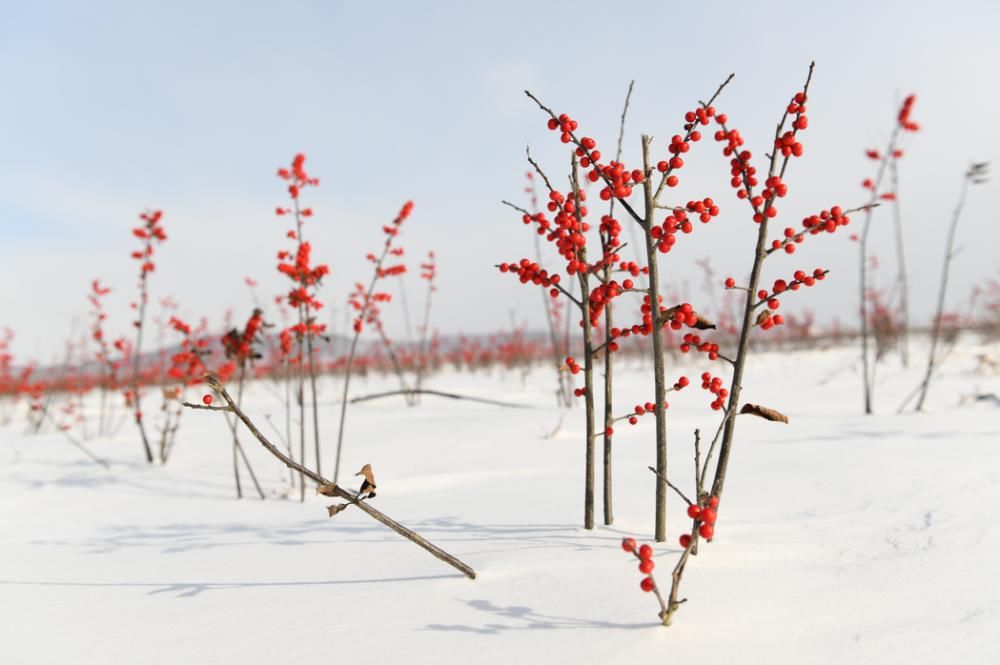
<point>671,485</point>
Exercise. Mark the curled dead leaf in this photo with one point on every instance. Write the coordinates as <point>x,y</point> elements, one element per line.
<point>327,490</point>
<point>703,323</point>
<point>765,413</point>
<point>335,508</point>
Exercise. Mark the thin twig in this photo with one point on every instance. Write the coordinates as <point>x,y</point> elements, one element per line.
<point>671,485</point>
<point>439,393</point>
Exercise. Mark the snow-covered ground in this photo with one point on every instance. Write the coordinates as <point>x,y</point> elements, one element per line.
<point>842,538</point>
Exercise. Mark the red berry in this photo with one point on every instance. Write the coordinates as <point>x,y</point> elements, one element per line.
<point>646,566</point>
<point>706,531</point>
<point>207,399</point>
<point>647,584</point>
<point>714,502</point>
<point>709,516</point>
<point>646,552</point>
<point>685,540</point>
<point>730,282</point>
<point>628,544</point>
<point>694,511</point>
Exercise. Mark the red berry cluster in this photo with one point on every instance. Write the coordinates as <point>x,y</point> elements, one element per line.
<point>620,178</point>
<point>564,124</point>
<point>904,115</point>
<point>683,315</point>
<point>530,271</point>
<point>98,315</point>
<point>827,220</point>
<point>646,563</point>
<point>744,175</point>
<point>148,232</point>
<point>650,407</point>
<point>239,345</point>
<point>305,277</point>
<point>632,268</point>
<point>766,320</point>
<point>298,179</point>
<point>692,341</point>
<point>572,365</point>
<point>681,144</point>
<point>713,384</point>
<point>705,517</point>
<point>678,221</point>
<point>366,304</point>
<point>186,366</point>
<point>800,278</point>
<point>600,296</point>
<point>428,270</point>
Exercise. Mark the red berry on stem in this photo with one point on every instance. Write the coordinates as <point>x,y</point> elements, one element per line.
<point>706,531</point>
<point>628,544</point>
<point>646,566</point>
<point>646,552</point>
<point>647,584</point>
<point>207,399</point>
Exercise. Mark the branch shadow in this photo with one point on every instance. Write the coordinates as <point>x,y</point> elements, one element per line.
<point>173,538</point>
<point>521,617</point>
<point>191,589</point>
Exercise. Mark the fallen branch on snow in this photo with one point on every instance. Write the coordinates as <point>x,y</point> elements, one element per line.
<point>330,488</point>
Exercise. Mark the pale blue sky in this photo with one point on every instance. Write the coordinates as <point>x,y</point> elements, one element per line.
<point>108,108</point>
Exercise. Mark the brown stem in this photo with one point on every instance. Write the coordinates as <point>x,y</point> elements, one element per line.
<point>949,254</point>
<point>588,362</point>
<point>868,380</point>
<point>901,276</point>
<point>659,370</point>
<point>606,271</point>
<point>746,330</point>
<point>136,378</point>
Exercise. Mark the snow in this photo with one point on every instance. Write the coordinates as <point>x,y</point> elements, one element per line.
<point>842,538</point>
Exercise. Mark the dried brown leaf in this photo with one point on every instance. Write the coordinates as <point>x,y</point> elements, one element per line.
<point>327,490</point>
<point>335,508</point>
<point>765,413</point>
<point>703,323</point>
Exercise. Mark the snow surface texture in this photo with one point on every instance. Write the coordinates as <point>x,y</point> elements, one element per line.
<point>841,539</point>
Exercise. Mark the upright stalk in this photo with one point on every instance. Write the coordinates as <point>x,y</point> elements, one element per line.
<point>136,353</point>
<point>760,254</point>
<point>606,271</point>
<point>901,276</point>
<point>974,175</point>
<point>868,374</point>
<point>588,366</point>
<point>363,314</point>
<point>659,370</point>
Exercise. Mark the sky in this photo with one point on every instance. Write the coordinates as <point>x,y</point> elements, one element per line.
<point>111,108</point>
